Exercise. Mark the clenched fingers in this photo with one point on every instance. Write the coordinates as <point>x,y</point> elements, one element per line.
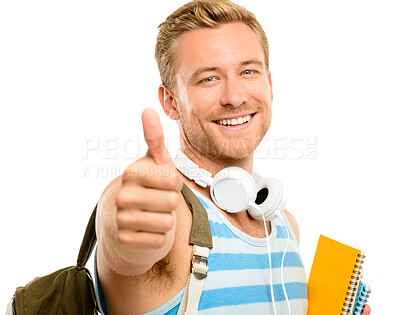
<point>147,199</point>
<point>144,221</point>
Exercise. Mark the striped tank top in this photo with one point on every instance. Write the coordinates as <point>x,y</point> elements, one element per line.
<point>238,280</point>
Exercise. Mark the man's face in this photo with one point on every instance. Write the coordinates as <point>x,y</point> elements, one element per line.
<point>223,91</point>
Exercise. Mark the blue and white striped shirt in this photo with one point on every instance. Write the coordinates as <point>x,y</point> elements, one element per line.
<point>238,276</point>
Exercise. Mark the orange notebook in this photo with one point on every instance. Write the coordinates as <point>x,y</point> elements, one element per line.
<point>334,278</point>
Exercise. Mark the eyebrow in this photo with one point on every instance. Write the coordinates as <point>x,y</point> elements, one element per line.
<point>252,62</point>
<point>199,71</point>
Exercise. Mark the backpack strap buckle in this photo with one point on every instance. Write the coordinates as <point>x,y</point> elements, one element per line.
<point>200,262</point>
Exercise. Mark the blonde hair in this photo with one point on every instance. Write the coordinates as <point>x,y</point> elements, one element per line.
<point>195,15</point>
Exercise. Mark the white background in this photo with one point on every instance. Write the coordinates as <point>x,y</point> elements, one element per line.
<point>76,75</point>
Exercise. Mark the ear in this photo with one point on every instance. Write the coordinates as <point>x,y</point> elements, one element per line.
<point>168,102</point>
<point>270,84</point>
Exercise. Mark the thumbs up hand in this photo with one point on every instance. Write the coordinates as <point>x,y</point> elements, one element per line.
<point>147,198</point>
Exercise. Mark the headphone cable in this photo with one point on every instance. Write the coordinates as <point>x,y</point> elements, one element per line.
<point>283,259</point>
<point>270,261</point>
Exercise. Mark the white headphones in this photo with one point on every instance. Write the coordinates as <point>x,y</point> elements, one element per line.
<point>233,189</point>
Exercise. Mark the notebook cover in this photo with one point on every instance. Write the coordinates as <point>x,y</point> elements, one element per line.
<point>330,275</point>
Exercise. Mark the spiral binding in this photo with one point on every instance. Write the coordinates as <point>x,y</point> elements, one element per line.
<point>353,285</point>
<point>364,292</point>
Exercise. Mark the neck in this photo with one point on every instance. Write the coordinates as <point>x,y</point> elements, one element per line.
<point>214,164</point>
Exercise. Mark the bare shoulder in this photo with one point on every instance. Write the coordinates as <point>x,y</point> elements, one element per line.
<point>294,225</point>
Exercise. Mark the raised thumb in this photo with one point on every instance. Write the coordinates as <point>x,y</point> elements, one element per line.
<point>154,137</point>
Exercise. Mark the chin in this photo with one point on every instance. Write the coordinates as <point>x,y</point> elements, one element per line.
<point>235,151</point>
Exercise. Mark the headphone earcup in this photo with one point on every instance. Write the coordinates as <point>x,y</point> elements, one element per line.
<point>270,199</point>
<point>233,189</point>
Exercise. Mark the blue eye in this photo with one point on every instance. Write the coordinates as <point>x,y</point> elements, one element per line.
<point>247,72</point>
<point>209,79</point>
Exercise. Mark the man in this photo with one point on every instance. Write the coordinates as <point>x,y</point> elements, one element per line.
<point>213,62</point>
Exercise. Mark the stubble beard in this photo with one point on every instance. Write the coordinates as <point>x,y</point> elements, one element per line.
<point>229,150</point>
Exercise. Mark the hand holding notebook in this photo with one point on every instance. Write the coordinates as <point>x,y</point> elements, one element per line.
<point>334,285</point>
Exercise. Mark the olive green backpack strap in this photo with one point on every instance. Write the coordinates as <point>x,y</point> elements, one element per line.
<point>200,233</point>
<point>88,242</point>
<point>201,239</point>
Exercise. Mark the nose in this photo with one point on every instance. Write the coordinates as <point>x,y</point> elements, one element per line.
<point>234,93</point>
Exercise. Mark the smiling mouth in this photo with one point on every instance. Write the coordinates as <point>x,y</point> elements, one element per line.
<point>230,122</point>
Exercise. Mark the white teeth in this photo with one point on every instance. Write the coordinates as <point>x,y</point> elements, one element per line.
<point>234,121</point>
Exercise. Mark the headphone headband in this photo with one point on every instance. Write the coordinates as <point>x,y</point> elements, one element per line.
<point>190,169</point>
